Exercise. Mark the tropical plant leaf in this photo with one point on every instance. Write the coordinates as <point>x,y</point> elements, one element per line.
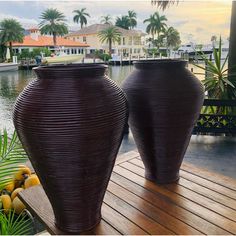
<point>11,155</point>
<point>11,224</point>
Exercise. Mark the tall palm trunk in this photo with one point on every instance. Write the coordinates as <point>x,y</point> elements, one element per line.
<point>54,39</point>
<point>232,42</point>
<point>10,47</point>
<point>110,46</point>
<point>158,38</point>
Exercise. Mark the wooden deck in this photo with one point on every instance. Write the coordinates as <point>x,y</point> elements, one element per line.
<point>201,202</point>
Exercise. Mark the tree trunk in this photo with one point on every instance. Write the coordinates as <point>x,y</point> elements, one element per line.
<point>54,39</point>
<point>232,42</point>
<point>10,47</point>
<point>110,46</point>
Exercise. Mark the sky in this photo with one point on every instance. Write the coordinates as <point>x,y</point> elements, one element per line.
<point>196,21</point>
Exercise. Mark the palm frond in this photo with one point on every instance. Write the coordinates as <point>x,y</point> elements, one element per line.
<point>15,225</point>
<point>11,155</point>
<point>163,4</point>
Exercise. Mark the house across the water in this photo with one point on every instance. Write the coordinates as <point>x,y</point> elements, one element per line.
<point>130,43</point>
<point>33,39</point>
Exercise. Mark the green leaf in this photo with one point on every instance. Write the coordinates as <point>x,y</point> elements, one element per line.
<point>11,155</point>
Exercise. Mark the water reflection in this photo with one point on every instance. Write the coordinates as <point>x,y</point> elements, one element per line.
<point>11,84</point>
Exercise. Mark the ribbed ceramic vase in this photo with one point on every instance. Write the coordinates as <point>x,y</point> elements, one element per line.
<point>164,99</point>
<point>70,120</point>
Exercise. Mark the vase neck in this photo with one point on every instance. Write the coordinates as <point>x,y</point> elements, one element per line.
<point>161,63</point>
<point>70,71</point>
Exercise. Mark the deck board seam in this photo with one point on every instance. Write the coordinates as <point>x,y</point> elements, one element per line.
<point>194,181</point>
<point>210,180</point>
<point>211,198</point>
<point>203,177</point>
<point>111,225</point>
<point>182,206</point>
<point>140,210</point>
<point>174,216</point>
<point>184,196</point>
<point>227,189</point>
<point>126,218</point>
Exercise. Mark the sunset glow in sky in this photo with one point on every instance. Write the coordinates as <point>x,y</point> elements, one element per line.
<point>195,20</point>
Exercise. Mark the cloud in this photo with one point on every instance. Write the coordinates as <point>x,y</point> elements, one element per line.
<point>25,22</point>
<point>201,19</point>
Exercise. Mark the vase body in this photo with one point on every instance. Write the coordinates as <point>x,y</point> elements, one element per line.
<point>164,99</point>
<point>70,121</point>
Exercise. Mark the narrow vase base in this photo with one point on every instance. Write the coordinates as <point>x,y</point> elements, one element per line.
<point>163,179</point>
<point>85,230</point>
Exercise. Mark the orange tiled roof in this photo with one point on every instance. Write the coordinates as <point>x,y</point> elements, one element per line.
<point>44,41</point>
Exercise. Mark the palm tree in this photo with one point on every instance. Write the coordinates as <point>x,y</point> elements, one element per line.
<point>109,35</point>
<point>151,27</point>
<point>172,37</point>
<point>232,38</point>
<point>123,22</point>
<point>156,25</point>
<point>11,31</point>
<point>80,17</point>
<point>53,23</point>
<point>163,4</point>
<point>132,19</point>
<point>106,19</point>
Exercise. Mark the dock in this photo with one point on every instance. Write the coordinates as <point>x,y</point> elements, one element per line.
<point>200,202</point>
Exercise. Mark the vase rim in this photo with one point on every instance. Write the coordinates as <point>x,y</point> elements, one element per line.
<point>71,66</point>
<point>160,61</point>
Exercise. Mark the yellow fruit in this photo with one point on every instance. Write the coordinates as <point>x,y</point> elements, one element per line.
<point>23,170</point>
<point>10,186</point>
<point>32,180</point>
<point>6,203</point>
<point>15,192</point>
<point>18,205</point>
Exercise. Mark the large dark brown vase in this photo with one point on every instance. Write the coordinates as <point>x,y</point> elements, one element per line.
<point>165,99</point>
<point>70,121</point>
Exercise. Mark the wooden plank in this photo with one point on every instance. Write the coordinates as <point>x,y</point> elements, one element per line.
<point>206,174</point>
<point>215,196</point>
<point>193,196</point>
<point>203,212</point>
<point>126,156</point>
<point>229,193</point>
<point>134,215</point>
<point>173,224</point>
<point>121,223</point>
<point>169,207</point>
<point>37,202</point>
<point>216,201</point>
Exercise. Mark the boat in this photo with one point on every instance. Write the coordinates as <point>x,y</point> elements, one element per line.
<point>8,67</point>
<point>192,50</point>
<point>62,59</point>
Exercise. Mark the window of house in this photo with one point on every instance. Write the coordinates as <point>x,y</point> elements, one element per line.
<point>84,38</point>
<point>124,41</point>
